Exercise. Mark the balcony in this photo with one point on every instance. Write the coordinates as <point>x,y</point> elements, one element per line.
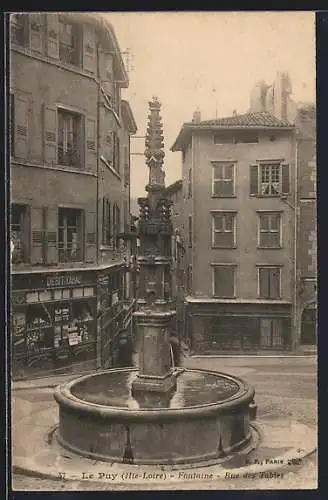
<point>69,157</point>
<point>69,54</point>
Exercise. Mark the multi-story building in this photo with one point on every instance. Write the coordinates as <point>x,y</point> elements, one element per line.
<point>307,228</point>
<point>277,99</point>
<point>70,188</point>
<point>238,177</point>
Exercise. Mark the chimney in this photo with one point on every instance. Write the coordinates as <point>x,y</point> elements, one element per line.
<point>196,116</point>
<point>234,113</point>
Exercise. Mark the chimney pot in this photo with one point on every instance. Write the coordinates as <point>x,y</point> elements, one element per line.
<point>196,116</point>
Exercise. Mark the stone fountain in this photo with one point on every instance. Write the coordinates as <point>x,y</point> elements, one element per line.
<point>156,414</point>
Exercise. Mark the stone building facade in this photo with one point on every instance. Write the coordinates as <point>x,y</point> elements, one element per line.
<point>70,189</point>
<point>238,177</point>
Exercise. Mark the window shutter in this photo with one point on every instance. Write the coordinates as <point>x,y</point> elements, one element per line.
<point>52,233</point>
<point>107,136</point>
<point>91,146</point>
<point>37,235</point>
<point>285,179</point>
<point>264,283</point>
<point>36,32</point>
<point>89,49</point>
<point>21,127</point>
<point>254,182</point>
<point>274,283</point>
<point>50,131</point>
<point>90,236</point>
<point>53,36</point>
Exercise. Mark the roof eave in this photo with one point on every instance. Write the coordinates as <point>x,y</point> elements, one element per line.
<point>186,129</point>
<point>132,126</point>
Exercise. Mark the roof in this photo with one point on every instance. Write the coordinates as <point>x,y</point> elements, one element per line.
<point>108,32</point>
<point>259,120</point>
<point>128,117</point>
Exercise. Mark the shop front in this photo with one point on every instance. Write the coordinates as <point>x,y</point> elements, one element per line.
<point>53,323</point>
<point>239,327</point>
<point>114,315</point>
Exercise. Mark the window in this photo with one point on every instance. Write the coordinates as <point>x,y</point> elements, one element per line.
<point>269,179</point>
<point>106,222</point>
<point>189,279</point>
<point>269,230</point>
<point>116,100</point>
<point>224,280</point>
<point>116,225</point>
<point>189,183</point>
<point>269,282</point>
<point>223,179</point>
<point>70,235</point>
<point>19,233</point>
<point>69,138</point>
<point>12,124</point>
<point>190,231</point>
<point>247,137</point>
<point>70,43</point>
<point>224,137</point>
<point>116,153</point>
<point>126,166</point>
<point>223,230</point>
<point>20,29</point>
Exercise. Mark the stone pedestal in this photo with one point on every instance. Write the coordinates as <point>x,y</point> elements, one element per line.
<point>155,364</point>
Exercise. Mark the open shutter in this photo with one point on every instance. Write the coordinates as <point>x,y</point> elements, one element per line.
<point>52,234</point>
<point>21,127</point>
<point>91,149</point>
<point>36,32</point>
<point>89,49</point>
<point>53,36</point>
<point>107,136</point>
<point>285,179</point>
<point>37,234</point>
<point>253,180</point>
<point>50,130</point>
<point>90,236</point>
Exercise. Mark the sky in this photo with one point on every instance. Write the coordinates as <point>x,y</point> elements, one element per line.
<point>209,61</point>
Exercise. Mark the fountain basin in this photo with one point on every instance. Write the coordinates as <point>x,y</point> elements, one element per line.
<point>207,417</point>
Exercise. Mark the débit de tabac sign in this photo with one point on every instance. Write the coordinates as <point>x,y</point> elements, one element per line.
<point>62,281</point>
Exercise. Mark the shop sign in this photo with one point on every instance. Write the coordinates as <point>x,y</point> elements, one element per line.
<point>64,280</point>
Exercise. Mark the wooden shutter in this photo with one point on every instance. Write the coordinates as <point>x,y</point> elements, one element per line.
<point>285,184</point>
<point>52,235</point>
<point>89,49</point>
<point>90,236</point>
<point>37,234</point>
<point>91,145</point>
<point>53,35</point>
<point>21,127</point>
<point>274,283</point>
<point>253,180</point>
<point>264,283</point>
<point>50,132</point>
<point>36,32</point>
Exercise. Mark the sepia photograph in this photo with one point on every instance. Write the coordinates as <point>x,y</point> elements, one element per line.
<point>163,251</point>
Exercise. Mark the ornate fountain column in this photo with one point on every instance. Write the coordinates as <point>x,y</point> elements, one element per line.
<point>154,312</point>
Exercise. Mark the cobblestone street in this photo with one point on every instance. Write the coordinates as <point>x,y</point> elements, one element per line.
<point>284,387</point>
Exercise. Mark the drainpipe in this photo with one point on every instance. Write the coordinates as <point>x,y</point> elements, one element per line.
<point>296,305</point>
<point>100,319</point>
<point>194,144</point>
<point>98,150</point>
